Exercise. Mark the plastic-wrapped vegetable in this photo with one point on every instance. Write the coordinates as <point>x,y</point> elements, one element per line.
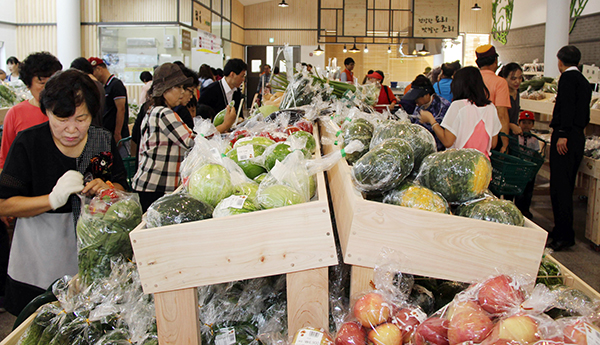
<point>415,196</point>
<point>220,117</point>
<point>419,138</point>
<point>211,183</point>
<point>243,200</point>
<point>458,174</point>
<point>384,167</point>
<point>358,129</point>
<point>176,208</point>
<point>42,320</point>
<point>549,273</point>
<point>243,155</point>
<point>103,231</point>
<point>310,142</point>
<point>493,210</point>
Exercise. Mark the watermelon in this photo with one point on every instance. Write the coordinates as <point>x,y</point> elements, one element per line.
<point>358,129</point>
<point>419,138</point>
<point>253,141</point>
<point>458,174</point>
<point>415,196</point>
<point>311,143</point>
<point>384,167</point>
<point>493,210</point>
<point>278,152</point>
<point>176,208</point>
<point>249,166</point>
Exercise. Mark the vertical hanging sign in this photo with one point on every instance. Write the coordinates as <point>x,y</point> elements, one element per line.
<point>202,17</point>
<point>436,18</point>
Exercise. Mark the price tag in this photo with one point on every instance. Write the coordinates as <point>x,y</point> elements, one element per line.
<point>225,336</point>
<point>245,152</point>
<point>308,337</point>
<point>235,201</point>
<point>593,336</point>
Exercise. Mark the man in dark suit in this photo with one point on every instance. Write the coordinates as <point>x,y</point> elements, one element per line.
<point>219,94</point>
<point>570,117</point>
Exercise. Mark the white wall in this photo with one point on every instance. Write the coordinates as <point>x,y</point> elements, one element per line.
<point>316,61</point>
<point>8,33</point>
<point>533,12</point>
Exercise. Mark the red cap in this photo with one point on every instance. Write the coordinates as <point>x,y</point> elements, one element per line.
<point>96,61</point>
<point>375,75</point>
<point>526,115</point>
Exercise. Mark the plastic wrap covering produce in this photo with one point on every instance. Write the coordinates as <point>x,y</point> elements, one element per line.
<point>357,129</point>
<point>458,174</point>
<point>278,151</point>
<point>592,147</point>
<point>384,167</point>
<point>220,117</point>
<point>176,208</point>
<point>415,196</point>
<point>103,231</point>
<point>312,336</point>
<point>419,138</point>
<point>243,200</point>
<point>301,91</point>
<point>13,92</point>
<point>549,273</point>
<point>207,144</point>
<point>8,97</point>
<point>493,210</point>
<point>243,312</point>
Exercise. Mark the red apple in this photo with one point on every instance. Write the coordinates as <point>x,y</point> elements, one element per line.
<point>351,333</point>
<point>500,294</point>
<point>518,329</point>
<point>372,310</point>
<point>575,333</point>
<point>386,334</point>
<point>433,331</point>
<point>468,322</point>
<point>407,320</point>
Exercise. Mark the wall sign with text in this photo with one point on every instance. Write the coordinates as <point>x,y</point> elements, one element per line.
<point>202,17</point>
<point>436,18</point>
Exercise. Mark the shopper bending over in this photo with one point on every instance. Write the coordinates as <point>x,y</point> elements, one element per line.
<point>471,120</point>
<point>43,171</point>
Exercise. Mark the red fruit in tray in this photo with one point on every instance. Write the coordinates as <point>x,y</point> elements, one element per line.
<point>433,331</point>
<point>407,320</point>
<point>291,129</point>
<point>500,294</point>
<point>351,333</point>
<point>385,334</point>
<point>468,322</point>
<point>239,134</point>
<point>305,126</point>
<point>372,310</point>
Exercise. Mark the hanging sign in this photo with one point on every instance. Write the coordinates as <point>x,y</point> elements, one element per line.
<point>202,17</point>
<point>436,18</point>
<point>208,43</point>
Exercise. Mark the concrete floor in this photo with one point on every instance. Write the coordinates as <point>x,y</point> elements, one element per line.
<point>582,259</point>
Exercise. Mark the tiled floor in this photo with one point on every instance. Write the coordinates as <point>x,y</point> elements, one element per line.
<point>581,258</point>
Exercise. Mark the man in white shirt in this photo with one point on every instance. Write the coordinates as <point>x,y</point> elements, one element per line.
<point>218,95</point>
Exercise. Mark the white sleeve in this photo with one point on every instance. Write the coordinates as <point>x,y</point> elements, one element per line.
<point>451,121</point>
<point>497,127</point>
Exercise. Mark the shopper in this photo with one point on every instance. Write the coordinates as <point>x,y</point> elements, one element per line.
<point>36,69</point>
<point>513,73</point>
<point>219,95</point>
<point>347,74</point>
<point>526,122</point>
<point>13,65</point>
<point>165,138</point>
<point>146,78</point>
<point>442,87</point>
<point>43,170</point>
<point>263,82</point>
<point>189,90</point>
<point>85,66</point>
<point>366,78</point>
<point>471,120</point>
<point>386,96</point>
<point>116,114</point>
<point>487,61</point>
<point>206,76</point>
<point>570,117</point>
<point>427,101</point>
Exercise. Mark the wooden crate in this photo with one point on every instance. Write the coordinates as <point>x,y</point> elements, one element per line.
<point>589,174</point>
<point>296,240</point>
<point>432,244</point>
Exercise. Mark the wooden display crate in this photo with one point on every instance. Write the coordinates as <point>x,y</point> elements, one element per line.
<point>432,244</point>
<point>296,240</point>
<point>589,175</point>
<point>545,107</point>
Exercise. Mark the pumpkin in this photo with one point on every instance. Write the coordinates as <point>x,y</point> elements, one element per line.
<point>419,138</point>
<point>415,196</point>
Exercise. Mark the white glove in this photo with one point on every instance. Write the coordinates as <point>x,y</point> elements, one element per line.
<point>69,183</point>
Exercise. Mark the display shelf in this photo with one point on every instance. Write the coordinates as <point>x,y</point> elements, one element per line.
<point>589,174</point>
<point>545,107</point>
<point>432,244</point>
<point>295,240</point>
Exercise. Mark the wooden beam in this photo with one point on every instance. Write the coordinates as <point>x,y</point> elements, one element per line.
<point>308,299</point>
<point>177,318</point>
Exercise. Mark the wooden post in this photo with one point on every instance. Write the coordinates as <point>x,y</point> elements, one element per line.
<point>361,281</point>
<point>177,317</point>
<point>308,299</point>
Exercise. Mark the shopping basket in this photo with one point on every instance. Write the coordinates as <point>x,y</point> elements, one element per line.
<point>130,162</point>
<point>526,153</point>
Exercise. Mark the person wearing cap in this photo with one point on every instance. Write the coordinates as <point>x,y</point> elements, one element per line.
<point>85,66</point>
<point>43,172</point>
<point>427,101</point>
<point>526,122</point>
<point>164,139</point>
<point>570,116</point>
<point>386,96</point>
<point>116,112</point>
<point>219,95</point>
<point>471,120</point>
<point>487,61</point>
<point>347,74</point>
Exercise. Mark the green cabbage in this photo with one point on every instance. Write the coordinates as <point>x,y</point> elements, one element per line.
<point>278,196</point>
<point>234,204</point>
<point>211,184</point>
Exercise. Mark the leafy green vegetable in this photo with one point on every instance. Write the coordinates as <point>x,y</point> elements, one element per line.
<point>211,183</point>
<point>278,196</point>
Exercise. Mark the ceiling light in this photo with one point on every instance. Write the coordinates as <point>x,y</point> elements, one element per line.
<point>366,50</point>
<point>345,50</point>
<point>423,51</point>
<point>389,49</point>
<point>319,51</point>
<point>354,49</point>
<point>476,7</point>
<point>283,4</point>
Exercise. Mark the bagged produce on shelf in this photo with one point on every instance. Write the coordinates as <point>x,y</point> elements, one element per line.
<point>492,209</point>
<point>592,147</point>
<point>176,208</point>
<point>287,183</point>
<point>103,231</point>
<point>415,196</point>
<point>312,336</point>
<point>549,273</point>
<point>243,155</point>
<point>8,97</point>
<point>243,200</point>
<point>357,129</point>
<point>458,174</point>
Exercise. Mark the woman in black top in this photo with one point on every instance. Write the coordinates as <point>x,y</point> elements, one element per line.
<point>513,73</point>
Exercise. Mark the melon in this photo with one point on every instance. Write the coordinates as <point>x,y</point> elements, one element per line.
<point>358,129</point>
<point>415,196</point>
<point>384,167</point>
<point>419,138</point>
<point>250,167</point>
<point>493,210</point>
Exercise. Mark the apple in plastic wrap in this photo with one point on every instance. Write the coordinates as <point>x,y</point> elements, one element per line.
<point>385,334</point>
<point>351,333</point>
<point>577,331</point>
<point>516,329</point>
<point>312,336</point>
<point>500,294</point>
<point>407,320</point>
<point>433,331</point>
<point>468,322</point>
<point>372,310</point>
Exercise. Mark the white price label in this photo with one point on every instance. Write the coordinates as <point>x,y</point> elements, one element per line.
<point>308,337</point>
<point>235,201</point>
<point>225,336</point>
<point>245,152</point>
<point>593,336</point>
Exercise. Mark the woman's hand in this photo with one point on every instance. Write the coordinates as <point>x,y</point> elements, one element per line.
<point>426,117</point>
<point>94,187</point>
